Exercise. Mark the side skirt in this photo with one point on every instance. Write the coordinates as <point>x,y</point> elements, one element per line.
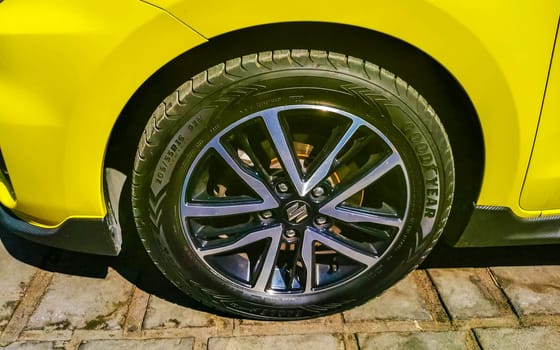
<point>94,236</point>
<point>498,226</point>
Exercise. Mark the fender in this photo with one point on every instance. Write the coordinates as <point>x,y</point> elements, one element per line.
<point>62,100</point>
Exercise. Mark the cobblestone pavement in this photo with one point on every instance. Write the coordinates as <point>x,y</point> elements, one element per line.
<point>467,299</point>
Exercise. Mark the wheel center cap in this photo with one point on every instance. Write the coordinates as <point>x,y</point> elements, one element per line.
<point>297,211</point>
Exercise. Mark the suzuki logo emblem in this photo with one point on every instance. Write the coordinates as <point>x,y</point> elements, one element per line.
<point>297,212</point>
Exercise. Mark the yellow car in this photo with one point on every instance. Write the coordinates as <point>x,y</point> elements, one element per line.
<point>281,160</point>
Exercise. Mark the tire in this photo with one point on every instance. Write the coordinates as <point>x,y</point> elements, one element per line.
<point>291,184</point>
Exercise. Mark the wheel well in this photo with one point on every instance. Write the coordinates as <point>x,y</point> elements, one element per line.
<point>432,80</point>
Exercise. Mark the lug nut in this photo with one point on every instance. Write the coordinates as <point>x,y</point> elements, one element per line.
<point>282,187</point>
<point>290,233</point>
<point>318,191</point>
<point>267,214</point>
<point>320,220</point>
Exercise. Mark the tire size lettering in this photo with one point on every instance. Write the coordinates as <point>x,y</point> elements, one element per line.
<point>295,99</point>
<point>195,122</point>
<point>267,103</point>
<point>169,158</point>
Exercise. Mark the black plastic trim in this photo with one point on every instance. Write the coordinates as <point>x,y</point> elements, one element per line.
<point>94,236</point>
<point>498,226</point>
<point>5,176</point>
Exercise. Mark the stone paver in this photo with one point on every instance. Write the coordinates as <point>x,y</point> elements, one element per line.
<point>72,302</point>
<point>402,302</point>
<point>417,341</point>
<point>514,339</point>
<point>334,323</point>
<point>164,314</point>
<point>146,344</point>
<point>531,289</point>
<point>12,285</point>
<point>53,307</point>
<point>288,342</point>
<point>471,293</point>
<point>29,345</point>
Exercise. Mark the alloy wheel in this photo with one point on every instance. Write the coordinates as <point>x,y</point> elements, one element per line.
<point>295,199</point>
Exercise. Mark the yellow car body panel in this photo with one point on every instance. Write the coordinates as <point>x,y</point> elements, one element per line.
<point>542,190</point>
<point>498,51</point>
<point>67,71</point>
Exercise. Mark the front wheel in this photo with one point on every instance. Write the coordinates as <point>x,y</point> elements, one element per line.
<point>291,184</point>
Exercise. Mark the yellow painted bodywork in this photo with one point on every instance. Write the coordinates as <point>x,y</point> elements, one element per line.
<point>68,68</point>
<point>542,190</point>
<point>66,72</point>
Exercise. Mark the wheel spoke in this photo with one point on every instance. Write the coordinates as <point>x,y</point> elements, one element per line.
<point>225,207</point>
<point>255,183</point>
<point>208,232</point>
<point>273,233</point>
<point>347,214</point>
<point>308,261</point>
<point>325,167</point>
<point>353,215</point>
<point>248,148</point>
<point>290,163</point>
<point>345,249</point>
<point>222,209</point>
<point>280,141</point>
<point>356,147</point>
<point>269,260</point>
<point>377,234</point>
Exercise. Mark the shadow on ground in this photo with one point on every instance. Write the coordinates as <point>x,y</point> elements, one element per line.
<point>444,256</point>
<point>134,264</point>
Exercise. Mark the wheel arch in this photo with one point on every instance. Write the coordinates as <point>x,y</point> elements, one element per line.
<point>429,77</point>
